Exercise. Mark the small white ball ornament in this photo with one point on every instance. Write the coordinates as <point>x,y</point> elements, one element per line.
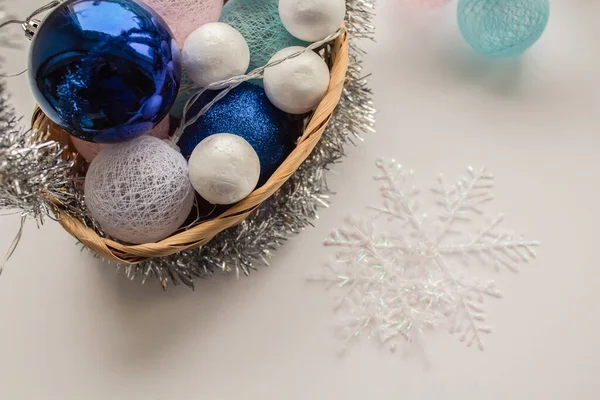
<point>312,20</point>
<point>297,85</point>
<point>215,52</point>
<point>139,191</point>
<point>224,168</point>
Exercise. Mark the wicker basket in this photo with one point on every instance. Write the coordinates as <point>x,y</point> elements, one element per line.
<point>205,231</point>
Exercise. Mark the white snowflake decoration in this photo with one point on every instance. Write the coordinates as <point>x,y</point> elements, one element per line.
<point>399,283</point>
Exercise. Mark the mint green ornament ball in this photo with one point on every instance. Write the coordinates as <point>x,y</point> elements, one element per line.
<point>186,90</point>
<point>502,28</point>
<point>259,23</point>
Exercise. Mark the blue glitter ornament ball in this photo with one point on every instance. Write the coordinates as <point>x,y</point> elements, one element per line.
<point>246,112</point>
<point>259,23</point>
<point>104,70</point>
<point>502,28</point>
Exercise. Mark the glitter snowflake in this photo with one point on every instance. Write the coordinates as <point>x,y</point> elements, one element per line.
<point>401,272</point>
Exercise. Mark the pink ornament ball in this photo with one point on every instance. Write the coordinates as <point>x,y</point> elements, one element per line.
<point>185,16</point>
<point>89,150</point>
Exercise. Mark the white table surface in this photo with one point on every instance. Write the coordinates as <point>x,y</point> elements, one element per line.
<point>70,328</point>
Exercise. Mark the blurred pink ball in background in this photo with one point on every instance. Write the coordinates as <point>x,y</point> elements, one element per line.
<point>89,150</point>
<point>185,16</point>
<point>425,3</point>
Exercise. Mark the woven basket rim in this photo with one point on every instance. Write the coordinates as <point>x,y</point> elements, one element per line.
<point>203,232</point>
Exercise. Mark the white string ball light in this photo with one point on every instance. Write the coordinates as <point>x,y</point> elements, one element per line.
<point>312,20</point>
<point>297,85</point>
<point>224,168</point>
<point>139,191</point>
<point>215,52</point>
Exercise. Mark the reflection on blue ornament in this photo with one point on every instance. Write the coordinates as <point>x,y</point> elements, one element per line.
<point>246,112</point>
<point>104,70</point>
<point>502,28</point>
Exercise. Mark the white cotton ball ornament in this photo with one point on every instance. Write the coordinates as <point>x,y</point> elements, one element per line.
<point>297,85</point>
<point>312,20</point>
<point>139,191</point>
<point>215,52</point>
<point>224,168</point>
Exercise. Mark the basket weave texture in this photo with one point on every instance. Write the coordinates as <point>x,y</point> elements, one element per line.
<point>205,231</point>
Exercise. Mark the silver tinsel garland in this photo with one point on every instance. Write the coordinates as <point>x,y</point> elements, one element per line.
<point>243,248</point>
<point>31,167</point>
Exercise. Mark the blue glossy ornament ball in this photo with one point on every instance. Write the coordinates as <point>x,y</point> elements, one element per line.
<point>246,112</point>
<point>502,28</point>
<point>104,70</point>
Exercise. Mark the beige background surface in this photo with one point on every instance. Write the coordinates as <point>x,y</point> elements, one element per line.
<point>71,329</point>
